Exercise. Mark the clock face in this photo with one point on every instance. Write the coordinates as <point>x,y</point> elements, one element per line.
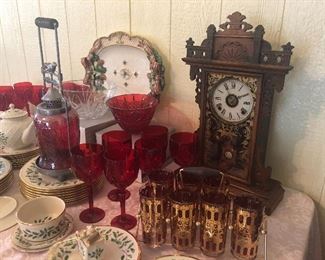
<point>232,100</point>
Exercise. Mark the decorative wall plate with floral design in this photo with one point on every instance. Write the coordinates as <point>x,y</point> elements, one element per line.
<point>121,245</point>
<point>130,62</point>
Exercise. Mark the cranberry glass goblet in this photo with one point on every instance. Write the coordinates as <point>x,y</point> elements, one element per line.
<point>122,172</point>
<point>37,92</point>
<point>23,94</point>
<point>150,158</point>
<point>115,142</point>
<point>183,148</point>
<point>6,97</point>
<point>155,135</point>
<point>88,165</point>
<point>133,112</point>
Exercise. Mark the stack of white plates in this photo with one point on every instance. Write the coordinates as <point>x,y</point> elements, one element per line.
<point>19,157</point>
<point>6,174</point>
<point>33,184</point>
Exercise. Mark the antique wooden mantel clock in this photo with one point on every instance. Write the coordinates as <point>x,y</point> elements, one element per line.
<point>236,73</point>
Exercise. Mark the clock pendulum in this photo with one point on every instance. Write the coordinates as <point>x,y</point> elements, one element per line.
<point>236,73</point>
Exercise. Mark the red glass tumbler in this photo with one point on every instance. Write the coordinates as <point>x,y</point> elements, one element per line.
<point>122,173</point>
<point>88,165</point>
<point>114,143</point>
<point>6,97</point>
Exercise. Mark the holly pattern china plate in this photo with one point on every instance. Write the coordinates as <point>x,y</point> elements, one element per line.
<point>23,245</point>
<point>120,245</point>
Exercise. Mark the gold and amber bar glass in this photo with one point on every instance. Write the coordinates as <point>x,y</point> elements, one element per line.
<point>183,217</point>
<point>154,212</point>
<point>214,223</point>
<point>247,220</point>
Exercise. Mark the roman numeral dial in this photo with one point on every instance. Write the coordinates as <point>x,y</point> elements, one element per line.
<point>232,100</point>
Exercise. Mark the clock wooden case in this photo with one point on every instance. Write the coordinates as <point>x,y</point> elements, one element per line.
<point>236,73</point>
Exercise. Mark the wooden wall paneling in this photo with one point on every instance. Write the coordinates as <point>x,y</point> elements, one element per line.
<point>154,25</point>
<point>28,10</point>
<point>299,114</point>
<point>112,16</point>
<point>4,71</point>
<point>82,33</point>
<point>56,9</point>
<point>13,43</point>
<point>188,19</point>
<point>266,12</point>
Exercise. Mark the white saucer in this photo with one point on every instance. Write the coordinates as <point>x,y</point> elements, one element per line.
<point>23,245</point>
<point>8,205</point>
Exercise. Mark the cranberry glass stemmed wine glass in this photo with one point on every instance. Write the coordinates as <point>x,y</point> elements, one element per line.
<point>115,142</point>
<point>88,165</point>
<point>122,170</point>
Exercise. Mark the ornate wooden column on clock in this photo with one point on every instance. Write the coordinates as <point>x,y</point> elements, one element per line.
<point>236,73</point>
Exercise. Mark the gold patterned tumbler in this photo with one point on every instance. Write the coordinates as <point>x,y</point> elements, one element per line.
<point>183,219</point>
<point>214,223</point>
<point>154,211</point>
<point>247,221</point>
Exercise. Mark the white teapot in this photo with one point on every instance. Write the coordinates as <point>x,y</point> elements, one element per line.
<point>17,130</point>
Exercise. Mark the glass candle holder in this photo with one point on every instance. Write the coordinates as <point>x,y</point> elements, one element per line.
<point>154,211</point>
<point>247,221</point>
<point>214,223</point>
<point>183,217</point>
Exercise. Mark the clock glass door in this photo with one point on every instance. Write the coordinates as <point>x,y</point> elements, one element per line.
<point>230,123</point>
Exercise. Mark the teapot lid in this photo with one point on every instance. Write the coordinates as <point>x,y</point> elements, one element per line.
<point>13,112</point>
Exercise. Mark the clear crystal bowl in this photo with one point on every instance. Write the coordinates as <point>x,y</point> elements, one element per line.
<point>89,104</point>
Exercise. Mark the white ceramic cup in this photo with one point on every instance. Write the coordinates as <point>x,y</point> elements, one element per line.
<point>42,218</point>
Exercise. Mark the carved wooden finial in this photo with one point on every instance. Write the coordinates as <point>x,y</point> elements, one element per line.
<point>189,42</point>
<point>236,23</point>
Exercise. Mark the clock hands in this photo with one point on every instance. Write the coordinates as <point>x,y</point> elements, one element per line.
<point>241,96</point>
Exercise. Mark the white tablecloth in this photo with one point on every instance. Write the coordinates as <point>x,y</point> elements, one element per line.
<point>293,229</point>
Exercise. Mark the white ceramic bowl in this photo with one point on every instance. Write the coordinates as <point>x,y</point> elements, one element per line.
<point>42,218</point>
